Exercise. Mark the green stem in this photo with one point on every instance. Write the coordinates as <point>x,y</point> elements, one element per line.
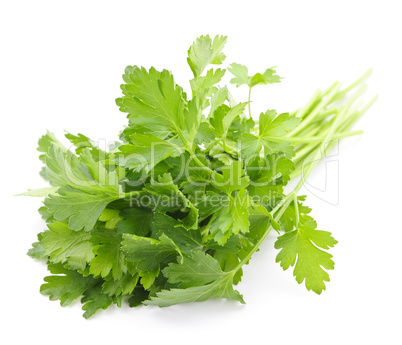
<point>278,211</point>
<point>333,90</point>
<point>249,101</point>
<point>324,145</point>
<point>313,138</point>
<point>302,112</point>
<point>354,84</point>
<point>296,203</point>
<point>349,121</point>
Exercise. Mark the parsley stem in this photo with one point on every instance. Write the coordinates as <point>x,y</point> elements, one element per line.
<point>281,207</point>
<point>322,148</point>
<point>323,103</point>
<point>296,203</point>
<point>277,207</point>
<point>303,152</point>
<point>350,122</point>
<point>314,115</point>
<point>325,115</point>
<point>314,138</point>
<point>354,84</point>
<point>302,112</point>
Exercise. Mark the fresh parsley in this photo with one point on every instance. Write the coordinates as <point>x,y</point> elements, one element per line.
<point>180,203</point>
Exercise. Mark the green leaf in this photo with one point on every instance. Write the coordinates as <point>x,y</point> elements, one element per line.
<point>240,212</point>
<point>82,142</point>
<point>169,197</point>
<point>65,169</point>
<point>148,278</point>
<point>133,127</point>
<point>241,76</point>
<point>138,296</point>
<point>86,188</point>
<point>46,215</point>
<point>65,285</point>
<point>186,239</point>
<point>152,98</point>
<point>82,209</point>
<point>260,219</point>
<point>94,300</point>
<point>218,98</point>
<point>196,270</point>
<point>98,168</point>
<point>268,77</point>
<point>204,51</point>
<point>231,179</point>
<point>209,80</point>
<point>217,289</point>
<point>138,221</point>
<point>271,132</point>
<point>40,192</point>
<point>108,214</point>
<point>109,257</point>
<point>45,142</point>
<point>231,218</point>
<point>123,286</point>
<point>37,251</point>
<point>232,245</point>
<point>192,117</point>
<point>288,220</point>
<point>229,262</point>
<point>240,73</point>
<point>268,169</point>
<point>223,118</point>
<point>250,146</point>
<point>272,125</point>
<point>300,248</point>
<point>64,245</point>
<point>204,134</point>
<point>145,151</point>
<point>147,253</point>
<point>238,127</point>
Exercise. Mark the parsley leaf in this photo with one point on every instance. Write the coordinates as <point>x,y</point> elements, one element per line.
<point>205,51</point>
<point>65,285</point>
<point>241,76</point>
<point>109,256</point>
<point>82,209</point>
<point>63,245</point>
<point>200,277</point>
<point>147,253</point>
<point>304,244</point>
<point>198,269</point>
<point>223,118</point>
<point>153,99</point>
<point>271,131</point>
<point>94,300</point>
<point>145,151</point>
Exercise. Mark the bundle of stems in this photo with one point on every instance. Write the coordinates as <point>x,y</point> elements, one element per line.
<point>326,118</point>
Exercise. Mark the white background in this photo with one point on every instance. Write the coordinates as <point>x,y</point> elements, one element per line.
<point>61,66</point>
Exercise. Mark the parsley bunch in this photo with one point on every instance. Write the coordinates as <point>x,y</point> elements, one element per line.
<point>173,211</point>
